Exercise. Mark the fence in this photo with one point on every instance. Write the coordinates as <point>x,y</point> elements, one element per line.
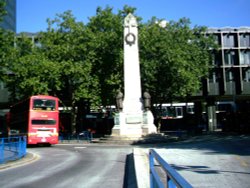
<point>12,148</point>
<point>173,178</point>
<point>83,136</point>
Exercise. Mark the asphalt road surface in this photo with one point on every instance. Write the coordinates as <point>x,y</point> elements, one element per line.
<point>71,166</point>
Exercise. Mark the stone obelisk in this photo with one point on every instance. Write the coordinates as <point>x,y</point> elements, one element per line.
<point>132,120</point>
<point>132,104</point>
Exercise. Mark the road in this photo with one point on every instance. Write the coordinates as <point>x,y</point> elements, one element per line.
<point>211,161</point>
<point>71,166</point>
<point>207,161</point>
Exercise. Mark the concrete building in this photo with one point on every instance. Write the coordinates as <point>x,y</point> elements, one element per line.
<point>8,23</point>
<point>230,75</point>
<point>9,20</point>
<point>227,90</point>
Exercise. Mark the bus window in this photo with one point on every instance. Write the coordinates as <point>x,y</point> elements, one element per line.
<point>179,112</point>
<point>43,122</point>
<point>44,104</point>
<point>190,109</point>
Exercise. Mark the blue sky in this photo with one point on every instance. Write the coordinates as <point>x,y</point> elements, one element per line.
<point>32,14</point>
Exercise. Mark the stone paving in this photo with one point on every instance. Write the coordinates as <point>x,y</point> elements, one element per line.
<point>208,160</point>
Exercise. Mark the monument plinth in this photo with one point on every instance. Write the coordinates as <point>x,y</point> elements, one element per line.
<point>133,119</point>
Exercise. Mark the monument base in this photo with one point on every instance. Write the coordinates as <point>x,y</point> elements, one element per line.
<point>136,125</point>
<point>148,123</point>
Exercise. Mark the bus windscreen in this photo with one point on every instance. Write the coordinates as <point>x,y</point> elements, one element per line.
<point>44,104</point>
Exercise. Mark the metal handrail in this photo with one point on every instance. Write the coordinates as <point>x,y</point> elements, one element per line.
<point>173,178</point>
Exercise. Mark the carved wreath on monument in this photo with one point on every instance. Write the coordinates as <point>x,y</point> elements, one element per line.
<point>130,39</point>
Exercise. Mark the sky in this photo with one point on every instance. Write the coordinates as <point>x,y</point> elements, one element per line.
<point>32,14</point>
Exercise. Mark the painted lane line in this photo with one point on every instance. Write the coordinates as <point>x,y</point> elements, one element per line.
<point>80,147</point>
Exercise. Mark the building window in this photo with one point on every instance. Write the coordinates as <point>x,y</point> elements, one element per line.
<point>228,41</point>
<point>229,76</point>
<point>1,85</point>
<point>216,39</point>
<point>246,75</point>
<point>216,59</point>
<point>245,40</point>
<point>212,77</point>
<point>230,57</point>
<point>37,43</point>
<point>245,57</point>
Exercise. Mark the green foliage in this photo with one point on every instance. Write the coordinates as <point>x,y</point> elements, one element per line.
<point>59,65</point>
<point>174,58</point>
<point>106,46</point>
<point>66,44</point>
<point>75,61</point>
<point>2,9</point>
<point>29,72</point>
<point>6,51</point>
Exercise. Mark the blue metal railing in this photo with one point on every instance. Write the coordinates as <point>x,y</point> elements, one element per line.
<point>173,178</point>
<point>12,148</point>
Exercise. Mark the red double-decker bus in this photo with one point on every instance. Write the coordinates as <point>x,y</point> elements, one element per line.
<point>37,118</point>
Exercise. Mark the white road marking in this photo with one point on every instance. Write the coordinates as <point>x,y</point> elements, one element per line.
<point>80,147</point>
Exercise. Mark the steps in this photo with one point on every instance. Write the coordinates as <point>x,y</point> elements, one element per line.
<point>120,140</point>
<point>134,140</point>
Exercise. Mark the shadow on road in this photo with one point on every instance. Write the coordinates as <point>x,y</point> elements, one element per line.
<point>129,177</point>
<point>214,144</point>
<point>203,169</point>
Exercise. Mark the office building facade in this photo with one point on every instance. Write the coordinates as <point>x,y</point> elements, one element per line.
<point>226,92</point>
<point>9,20</point>
<point>230,75</point>
<point>8,23</point>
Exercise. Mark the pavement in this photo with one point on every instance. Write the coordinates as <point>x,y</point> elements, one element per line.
<point>210,160</point>
<point>28,158</point>
<point>141,164</point>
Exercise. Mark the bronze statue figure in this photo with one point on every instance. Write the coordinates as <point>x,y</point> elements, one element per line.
<point>147,100</point>
<point>119,101</point>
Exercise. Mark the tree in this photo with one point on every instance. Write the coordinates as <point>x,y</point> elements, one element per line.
<point>106,45</point>
<point>174,58</point>
<point>75,61</point>
<point>66,44</point>
<point>6,49</point>
<point>60,65</point>
<point>2,9</point>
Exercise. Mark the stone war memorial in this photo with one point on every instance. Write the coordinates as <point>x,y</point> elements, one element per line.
<point>134,118</point>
